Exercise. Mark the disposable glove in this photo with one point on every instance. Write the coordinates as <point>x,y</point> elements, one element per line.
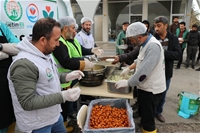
<point>125,71</point>
<point>71,94</point>
<point>97,51</point>
<point>121,83</point>
<point>3,55</point>
<point>116,60</point>
<point>77,74</point>
<point>88,64</point>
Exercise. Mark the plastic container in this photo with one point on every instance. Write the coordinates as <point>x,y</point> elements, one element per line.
<point>119,103</point>
<point>111,84</point>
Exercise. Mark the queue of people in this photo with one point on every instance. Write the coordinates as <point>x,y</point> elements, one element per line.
<point>38,83</point>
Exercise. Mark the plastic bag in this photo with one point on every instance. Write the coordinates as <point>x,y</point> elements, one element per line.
<point>189,104</point>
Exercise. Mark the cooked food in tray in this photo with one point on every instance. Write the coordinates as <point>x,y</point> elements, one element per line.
<point>115,78</point>
<point>108,117</point>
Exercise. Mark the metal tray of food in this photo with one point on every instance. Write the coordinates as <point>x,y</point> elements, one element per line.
<point>113,78</point>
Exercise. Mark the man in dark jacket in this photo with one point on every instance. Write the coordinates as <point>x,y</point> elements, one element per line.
<point>172,51</point>
<point>174,25</point>
<point>147,24</point>
<point>129,56</point>
<point>193,38</point>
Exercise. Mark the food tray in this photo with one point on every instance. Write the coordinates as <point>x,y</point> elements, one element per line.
<point>111,83</point>
<point>118,103</point>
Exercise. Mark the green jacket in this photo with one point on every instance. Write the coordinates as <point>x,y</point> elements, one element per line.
<point>120,41</point>
<point>184,36</point>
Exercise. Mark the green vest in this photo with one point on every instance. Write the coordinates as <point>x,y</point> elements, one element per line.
<point>184,36</point>
<point>73,52</point>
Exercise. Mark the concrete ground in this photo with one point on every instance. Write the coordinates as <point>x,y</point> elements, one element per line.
<point>183,80</point>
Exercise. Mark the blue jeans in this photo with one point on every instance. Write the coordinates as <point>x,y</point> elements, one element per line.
<point>57,127</point>
<point>159,108</point>
<point>4,130</point>
<point>71,107</point>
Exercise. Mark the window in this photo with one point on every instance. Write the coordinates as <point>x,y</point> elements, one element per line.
<point>162,9</point>
<point>118,13</point>
<point>178,7</point>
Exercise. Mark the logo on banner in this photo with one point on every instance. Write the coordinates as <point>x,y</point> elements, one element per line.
<point>32,13</point>
<point>13,10</point>
<point>47,12</point>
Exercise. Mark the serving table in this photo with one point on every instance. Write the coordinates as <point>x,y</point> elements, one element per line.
<point>101,91</point>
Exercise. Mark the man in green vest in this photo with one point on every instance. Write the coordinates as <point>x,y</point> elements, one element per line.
<point>69,56</point>
<point>181,33</point>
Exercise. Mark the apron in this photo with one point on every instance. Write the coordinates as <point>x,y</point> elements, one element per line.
<point>6,107</point>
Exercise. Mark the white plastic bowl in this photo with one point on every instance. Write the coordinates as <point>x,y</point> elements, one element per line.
<point>110,60</point>
<point>122,46</point>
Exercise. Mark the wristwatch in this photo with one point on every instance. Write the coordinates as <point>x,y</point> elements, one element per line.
<point>1,47</point>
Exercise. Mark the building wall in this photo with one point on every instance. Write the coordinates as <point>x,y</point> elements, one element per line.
<point>112,13</point>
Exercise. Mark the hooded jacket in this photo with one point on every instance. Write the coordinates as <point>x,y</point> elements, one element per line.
<point>35,88</point>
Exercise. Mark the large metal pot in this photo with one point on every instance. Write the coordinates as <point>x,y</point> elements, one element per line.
<point>93,77</point>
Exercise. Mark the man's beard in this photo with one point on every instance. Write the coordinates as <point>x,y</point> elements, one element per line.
<point>176,22</point>
<point>69,35</point>
<point>138,42</point>
<point>48,50</point>
<point>86,30</point>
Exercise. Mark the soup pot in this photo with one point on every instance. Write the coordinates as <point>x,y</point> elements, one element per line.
<point>94,76</point>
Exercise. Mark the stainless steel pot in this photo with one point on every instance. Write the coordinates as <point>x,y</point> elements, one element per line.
<point>93,77</point>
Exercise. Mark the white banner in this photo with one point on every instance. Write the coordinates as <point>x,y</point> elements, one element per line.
<point>21,15</point>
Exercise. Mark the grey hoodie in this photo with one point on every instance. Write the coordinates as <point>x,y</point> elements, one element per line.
<point>35,88</point>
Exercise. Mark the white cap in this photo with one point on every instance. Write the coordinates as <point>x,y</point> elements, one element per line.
<point>84,19</point>
<point>67,21</point>
<point>135,29</point>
